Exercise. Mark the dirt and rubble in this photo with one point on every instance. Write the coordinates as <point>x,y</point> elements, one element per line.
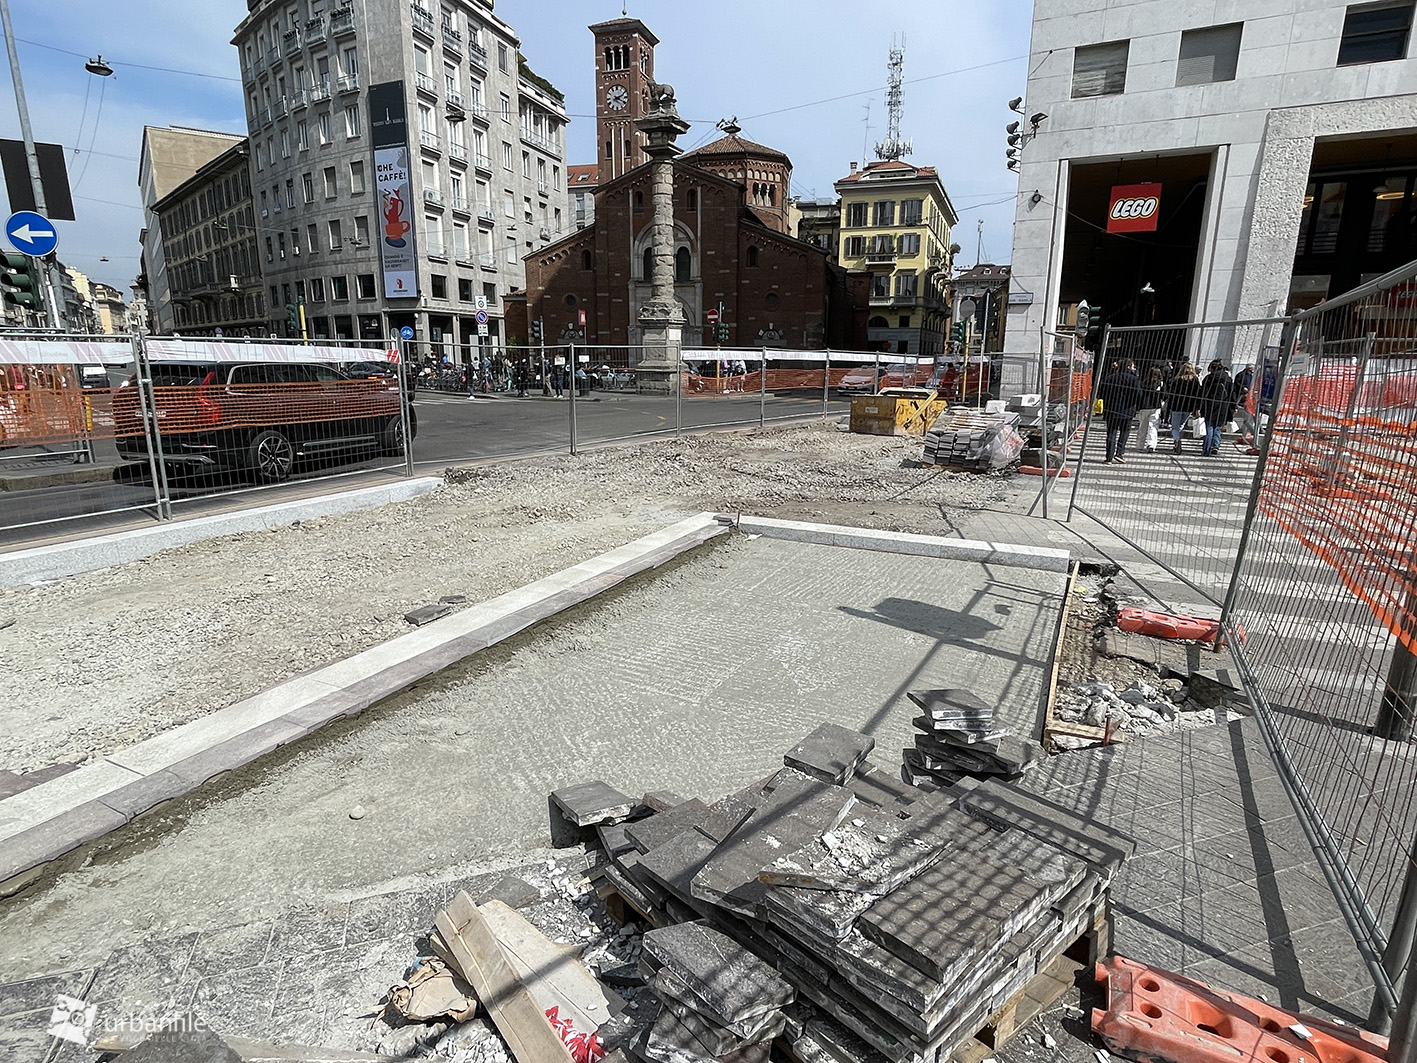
<point>163,641</point>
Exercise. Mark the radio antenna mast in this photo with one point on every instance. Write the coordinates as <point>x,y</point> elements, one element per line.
<point>894,147</point>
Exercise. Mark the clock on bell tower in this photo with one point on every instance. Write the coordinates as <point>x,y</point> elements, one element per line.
<point>624,71</point>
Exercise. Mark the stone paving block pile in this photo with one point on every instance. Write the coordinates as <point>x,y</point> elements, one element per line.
<point>973,440</point>
<point>863,919</point>
<point>959,738</point>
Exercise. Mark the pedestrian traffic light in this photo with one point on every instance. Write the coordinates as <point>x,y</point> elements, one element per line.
<point>20,281</point>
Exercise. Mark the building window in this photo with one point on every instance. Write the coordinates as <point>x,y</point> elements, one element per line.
<point>683,265</point>
<point>911,211</point>
<point>351,121</point>
<point>464,290</point>
<point>506,108</point>
<point>317,290</point>
<point>587,260</point>
<point>1209,55</point>
<point>883,244</point>
<point>908,244</point>
<point>290,191</point>
<point>883,212</point>
<point>365,285</point>
<point>324,128</point>
<point>506,156</point>
<point>526,164</point>
<point>501,57</point>
<point>880,286</point>
<point>905,285</point>
<point>440,286</point>
<point>339,288</point>
<point>356,178</point>
<point>752,255</point>
<point>693,200</point>
<point>1100,69</point>
<point>433,235</point>
<point>903,322</point>
<point>361,230</point>
<point>302,136</point>
<point>1375,33</point>
<point>336,238</point>
<point>512,250</point>
<point>648,265</point>
<point>331,183</point>
<point>855,214</point>
<point>312,239</point>
<point>855,245</point>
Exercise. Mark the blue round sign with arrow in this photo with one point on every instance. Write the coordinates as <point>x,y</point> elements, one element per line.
<point>31,234</point>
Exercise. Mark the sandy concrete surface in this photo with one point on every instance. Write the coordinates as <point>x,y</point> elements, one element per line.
<point>97,662</point>
<point>696,679</point>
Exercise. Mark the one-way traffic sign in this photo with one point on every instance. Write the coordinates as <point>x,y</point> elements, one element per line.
<point>31,233</point>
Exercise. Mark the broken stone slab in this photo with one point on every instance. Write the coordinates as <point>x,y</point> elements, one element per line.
<point>589,803</point>
<point>426,614</point>
<point>654,831</point>
<point>674,864</point>
<point>674,992</point>
<point>661,800</point>
<point>797,811</point>
<point>728,812</point>
<point>613,839</point>
<point>1007,755</point>
<point>630,890</point>
<point>840,1044</point>
<point>831,753</point>
<point>1212,687</point>
<point>727,977</point>
<point>718,1038</point>
<point>972,903</point>
<point>961,736</point>
<point>512,891</point>
<point>1004,806</point>
<point>669,1041</point>
<point>1166,656</point>
<point>873,786</point>
<point>954,707</point>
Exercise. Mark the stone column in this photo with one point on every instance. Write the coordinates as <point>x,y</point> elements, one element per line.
<point>661,320</point>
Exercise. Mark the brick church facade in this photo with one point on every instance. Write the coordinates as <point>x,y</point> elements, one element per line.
<point>731,242</point>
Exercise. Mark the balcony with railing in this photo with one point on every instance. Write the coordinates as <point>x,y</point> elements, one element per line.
<point>258,65</point>
<point>487,260</point>
<point>432,197</point>
<point>281,108</point>
<point>537,140</point>
<point>477,55</point>
<point>543,188</point>
<point>264,115</point>
<point>422,20</point>
<point>320,92</point>
<point>315,30</point>
<point>880,258</point>
<point>482,162</point>
<point>487,215</point>
<point>342,21</point>
<point>299,98</point>
<point>348,83</point>
<point>460,204</point>
<point>425,84</point>
<point>273,56</point>
<point>290,42</point>
<point>430,140</point>
<point>479,113</point>
<point>454,98</point>
<point>452,40</point>
<point>457,152</point>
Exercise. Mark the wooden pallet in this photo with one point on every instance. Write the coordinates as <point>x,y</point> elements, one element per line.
<point>1041,992</point>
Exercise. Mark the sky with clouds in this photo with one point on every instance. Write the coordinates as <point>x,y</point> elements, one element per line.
<point>798,75</point>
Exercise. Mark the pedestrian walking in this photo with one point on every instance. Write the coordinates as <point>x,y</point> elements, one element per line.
<point>557,382</point>
<point>520,373</point>
<point>1217,404</point>
<point>1153,398</point>
<point>1121,398</point>
<point>1183,401</point>
<point>1244,381</point>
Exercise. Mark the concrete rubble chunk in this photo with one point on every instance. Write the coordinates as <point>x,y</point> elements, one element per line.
<point>830,753</point>
<point>589,803</point>
<point>727,977</point>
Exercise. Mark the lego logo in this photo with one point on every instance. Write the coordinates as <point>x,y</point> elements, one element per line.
<point>1144,207</point>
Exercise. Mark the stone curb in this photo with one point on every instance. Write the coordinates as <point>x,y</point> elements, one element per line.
<point>82,474</point>
<point>1039,558</point>
<point>37,563</point>
<point>42,823</point>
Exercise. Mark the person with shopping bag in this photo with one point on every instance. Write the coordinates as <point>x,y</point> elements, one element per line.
<point>1183,400</point>
<point>1120,395</point>
<point>1153,398</point>
<point>1217,405</point>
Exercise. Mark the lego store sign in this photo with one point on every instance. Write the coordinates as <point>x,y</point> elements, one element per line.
<point>1134,208</point>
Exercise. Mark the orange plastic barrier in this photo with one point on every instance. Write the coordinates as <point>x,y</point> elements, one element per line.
<point>1154,1015</point>
<point>1166,625</point>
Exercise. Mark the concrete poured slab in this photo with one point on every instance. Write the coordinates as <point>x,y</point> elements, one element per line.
<point>739,651</point>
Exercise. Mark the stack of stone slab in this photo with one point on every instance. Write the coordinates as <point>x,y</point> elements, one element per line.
<point>973,440</point>
<point>959,737</point>
<point>902,917</point>
<point>719,1001</point>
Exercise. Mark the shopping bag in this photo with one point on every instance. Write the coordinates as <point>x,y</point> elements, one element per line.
<point>1197,426</point>
<point>1097,407</point>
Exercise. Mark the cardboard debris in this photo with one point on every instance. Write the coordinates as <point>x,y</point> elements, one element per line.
<point>431,991</point>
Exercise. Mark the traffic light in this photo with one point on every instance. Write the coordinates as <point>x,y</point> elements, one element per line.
<point>1094,327</point>
<point>20,281</point>
<point>1084,321</point>
<point>536,332</point>
<point>959,334</point>
<point>723,332</point>
<point>292,312</point>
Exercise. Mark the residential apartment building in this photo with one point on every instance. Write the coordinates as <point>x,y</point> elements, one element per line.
<point>818,222</point>
<point>979,298</point>
<point>478,184</point>
<point>582,181</point>
<point>169,156</point>
<point>896,220</point>
<point>211,250</point>
<point>1273,146</point>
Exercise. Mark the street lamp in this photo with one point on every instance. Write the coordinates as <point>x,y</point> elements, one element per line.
<point>99,67</point>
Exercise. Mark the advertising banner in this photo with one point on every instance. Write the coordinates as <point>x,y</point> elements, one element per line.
<point>1134,208</point>
<point>388,125</point>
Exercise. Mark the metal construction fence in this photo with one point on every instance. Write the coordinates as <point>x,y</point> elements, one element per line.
<point>1300,529</point>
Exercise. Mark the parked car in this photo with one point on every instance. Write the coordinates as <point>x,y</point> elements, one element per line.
<point>261,417</point>
<point>864,380</point>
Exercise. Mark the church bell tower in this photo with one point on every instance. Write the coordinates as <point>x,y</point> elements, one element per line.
<point>624,71</point>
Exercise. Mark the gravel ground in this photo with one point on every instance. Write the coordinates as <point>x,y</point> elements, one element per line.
<point>97,662</point>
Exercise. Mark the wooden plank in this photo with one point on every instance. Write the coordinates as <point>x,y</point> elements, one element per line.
<point>249,1050</point>
<point>552,973</point>
<point>484,965</point>
<point>1048,709</point>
